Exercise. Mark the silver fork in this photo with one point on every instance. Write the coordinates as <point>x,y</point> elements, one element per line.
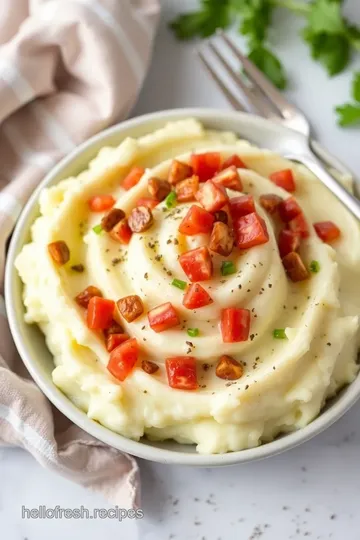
<point>267,101</point>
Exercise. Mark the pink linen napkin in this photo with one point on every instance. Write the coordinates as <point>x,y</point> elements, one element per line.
<point>68,68</point>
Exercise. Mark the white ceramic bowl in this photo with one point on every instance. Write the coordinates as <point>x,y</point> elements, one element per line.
<point>30,341</point>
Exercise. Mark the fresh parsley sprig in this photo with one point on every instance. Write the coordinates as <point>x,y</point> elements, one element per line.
<point>349,113</point>
<point>330,37</point>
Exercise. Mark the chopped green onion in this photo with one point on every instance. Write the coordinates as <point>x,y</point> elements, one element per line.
<point>179,284</point>
<point>170,200</point>
<point>98,229</point>
<point>315,267</point>
<point>279,333</point>
<point>227,268</point>
<point>193,332</point>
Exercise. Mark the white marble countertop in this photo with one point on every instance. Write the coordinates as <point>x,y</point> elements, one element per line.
<point>310,492</point>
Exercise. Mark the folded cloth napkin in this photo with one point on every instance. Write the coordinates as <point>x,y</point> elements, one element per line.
<point>68,68</point>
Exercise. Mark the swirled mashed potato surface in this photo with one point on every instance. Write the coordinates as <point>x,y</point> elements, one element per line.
<point>285,381</point>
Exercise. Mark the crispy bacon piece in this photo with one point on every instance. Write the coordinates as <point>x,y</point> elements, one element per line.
<point>112,218</point>
<point>85,296</point>
<point>288,241</point>
<point>229,178</point>
<point>270,202</point>
<point>179,171</point>
<point>229,369</point>
<point>289,209</point>
<point>221,239</point>
<point>158,188</point>
<point>114,340</point>
<point>59,252</point>
<point>140,219</point>
<point>222,216</point>
<point>186,189</point>
<point>149,367</point>
<point>130,307</point>
<point>295,268</point>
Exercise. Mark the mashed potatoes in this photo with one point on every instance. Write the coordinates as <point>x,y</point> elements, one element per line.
<point>285,382</point>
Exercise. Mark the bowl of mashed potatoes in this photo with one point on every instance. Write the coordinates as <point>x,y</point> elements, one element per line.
<point>186,295</point>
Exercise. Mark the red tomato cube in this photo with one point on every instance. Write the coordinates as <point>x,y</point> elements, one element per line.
<point>196,221</point>
<point>288,241</point>
<point>229,178</point>
<point>114,340</point>
<point>299,225</point>
<point>196,297</point>
<point>270,202</point>
<point>211,196</point>
<point>132,178</point>
<point>235,325</point>
<point>234,160</point>
<point>241,206</point>
<point>100,313</point>
<point>100,203</point>
<point>284,179</point>
<point>289,209</point>
<point>250,231</point>
<point>121,232</point>
<point>146,201</point>
<point>205,166</point>
<point>163,317</point>
<point>327,231</point>
<point>123,359</point>
<point>181,372</point>
<point>197,264</point>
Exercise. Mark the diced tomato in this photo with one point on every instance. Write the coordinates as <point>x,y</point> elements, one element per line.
<point>327,231</point>
<point>235,325</point>
<point>181,372</point>
<point>288,241</point>
<point>289,209</point>
<point>196,297</point>
<point>114,340</point>
<point>299,225</point>
<point>163,317</point>
<point>123,359</point>
<point>250,231</point>
<point>100,203</point>
<point>241,206</point>
<point>196,221</point>
<point>197,264</point>
<point>234,160</point>
<point>146,201</point>
<point>229,178</point>
<point>205,166</point>
<point>212,196</point>
<point>132,178</point>
<point>270,202</point>
<point>284,179</point>
<point>121,232</point>
<point>100,313</point>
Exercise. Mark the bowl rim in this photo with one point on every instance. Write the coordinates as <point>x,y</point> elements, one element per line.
<point>137,448</point>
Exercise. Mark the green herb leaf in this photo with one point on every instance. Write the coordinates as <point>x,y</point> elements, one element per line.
<point>227,268</point>
<point>179,284</point>
<point>98,229</point>
<point>213,14</point>
<point>170,200</point>
<point>348,114</point>
<point>256,18</point>
<point>279,333</point>
<point>270,65</point>
<point>332,51</point>
<point>193,332</point>
<point>325,17</point>
<point>315,266</point>
<point>356,87</point>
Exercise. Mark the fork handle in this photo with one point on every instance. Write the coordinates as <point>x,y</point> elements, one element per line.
<point>317,168</point>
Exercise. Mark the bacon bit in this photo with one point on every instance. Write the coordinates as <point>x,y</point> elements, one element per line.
<point>140,219</point>
<point>85,296</point>
<point>288,241</point>
<point>121,232</point>
<point>186,189</point>
<point>295,268</point>
<point>299,225</point>
<point>179,171</point>
<point>222,216</point>
<point>222,239</point>
<point>112,218</point>
<point>114,340</point>
<point>78,268</point>
<point>59,252</point>
<point>229,178</point>
<point>149,367</point>
<point>270,202</point>
<point>289,209</point>
<point>158,188</point>
<point>130,307</point>
<point>229,369</point>
<point>115,328</point>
